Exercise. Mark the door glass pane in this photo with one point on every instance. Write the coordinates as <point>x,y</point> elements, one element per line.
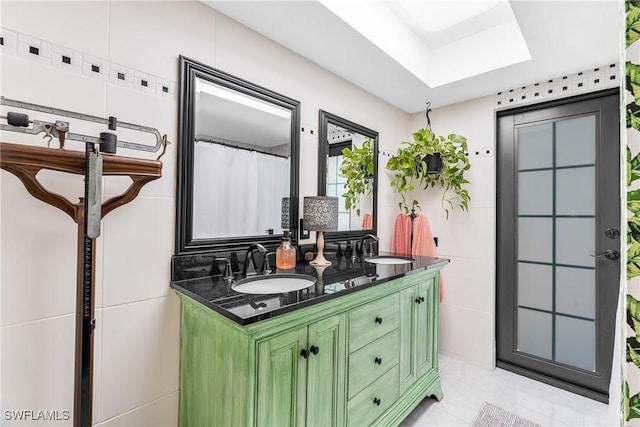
<point>575,342</point>
<point>576,191</point>
<point>576,292</point>
<point>535,239</point>
<point>535,146</point>
<point>534,333</point>
<point>535,193</point>
<point>575,241</point>
<point>535,286</point>
<point>575,141</point>
<point>556,182</point>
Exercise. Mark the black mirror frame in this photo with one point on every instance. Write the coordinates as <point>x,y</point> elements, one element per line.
<point>188,72</point>
<point>323,151</point>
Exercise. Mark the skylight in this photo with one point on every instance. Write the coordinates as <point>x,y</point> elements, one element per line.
<point>438,41</point>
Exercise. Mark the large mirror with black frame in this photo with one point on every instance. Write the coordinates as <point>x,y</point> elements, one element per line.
<point>237,162</point>
<point>348,169</point>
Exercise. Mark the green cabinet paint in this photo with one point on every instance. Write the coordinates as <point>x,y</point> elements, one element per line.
<point>418,326</point>
<point>302,390</point>
<point>363,358</point>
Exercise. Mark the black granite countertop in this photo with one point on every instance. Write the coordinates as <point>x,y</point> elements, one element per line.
<point>344,275</point>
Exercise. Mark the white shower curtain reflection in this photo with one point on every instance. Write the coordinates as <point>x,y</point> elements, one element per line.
<point>237,192</point>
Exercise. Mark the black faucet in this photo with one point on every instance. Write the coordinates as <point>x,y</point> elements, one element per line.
<point>371,240</point>
<point>264,267</point>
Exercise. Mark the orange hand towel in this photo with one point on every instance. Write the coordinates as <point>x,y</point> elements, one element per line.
<point>367,222</point>
<point>423,243</point>
<point>401,241</point>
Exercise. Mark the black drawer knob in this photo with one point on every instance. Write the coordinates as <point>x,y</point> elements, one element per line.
<point>378,360</point>
<point>379,320</point>
<point>304,353</point>
<point>421,299</point>
<point>376,401</point>
<point>314,349</point>
<point>418,301</point>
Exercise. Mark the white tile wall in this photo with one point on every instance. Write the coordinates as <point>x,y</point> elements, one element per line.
<point>162,412</point>
<point>82,26</point>
<point>467,334</point>
<point>64,58</point>
<point>159,38</point>
<point>140,354</point>
<point>37,367</point>
<point>38,273</point>
<point>138,241</point>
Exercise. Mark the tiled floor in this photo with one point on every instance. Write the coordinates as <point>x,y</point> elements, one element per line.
<point>466,388</point>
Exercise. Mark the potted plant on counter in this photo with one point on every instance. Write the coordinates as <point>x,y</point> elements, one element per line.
<point>411,171</point>
<point>357,168</point>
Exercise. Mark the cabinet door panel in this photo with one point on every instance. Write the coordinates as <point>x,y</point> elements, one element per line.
<point>407,363</point>
<point>424,331</point>
<point>282,380</point>
<point>326,372</point>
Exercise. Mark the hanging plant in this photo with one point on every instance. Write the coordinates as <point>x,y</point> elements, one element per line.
<point>357,168</point>
<point>409,165</point>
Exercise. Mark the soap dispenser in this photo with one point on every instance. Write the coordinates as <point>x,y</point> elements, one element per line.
<point>286,253</point>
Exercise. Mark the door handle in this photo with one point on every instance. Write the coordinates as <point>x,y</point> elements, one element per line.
<point>609,254</point>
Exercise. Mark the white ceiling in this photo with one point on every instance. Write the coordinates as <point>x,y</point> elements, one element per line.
<point>394,60</point>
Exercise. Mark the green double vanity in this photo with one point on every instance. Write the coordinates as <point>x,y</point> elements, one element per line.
<point>359,347</point>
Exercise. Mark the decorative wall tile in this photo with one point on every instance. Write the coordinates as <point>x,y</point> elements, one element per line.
<point>95,68</point>
<point>120,75</point>
<point>591,80</point>
<point>165,88</point>
<point>67,59</point>
<point>45,53</point>
<point>144,82</point>
<point>34,50</point>
<point>9,45</point>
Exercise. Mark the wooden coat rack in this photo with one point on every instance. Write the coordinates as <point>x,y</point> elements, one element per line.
<point>25,162</point>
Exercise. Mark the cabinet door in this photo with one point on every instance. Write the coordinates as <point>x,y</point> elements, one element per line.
<point>326,372</point>
<point>425,333</point>
<point>417,332</point>
<point>407,363</point>
<point>281,383</point>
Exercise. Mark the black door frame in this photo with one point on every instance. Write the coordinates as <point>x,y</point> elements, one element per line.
<point>607,104</point>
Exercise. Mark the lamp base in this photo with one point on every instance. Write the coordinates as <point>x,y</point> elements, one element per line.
<point>320,259</point>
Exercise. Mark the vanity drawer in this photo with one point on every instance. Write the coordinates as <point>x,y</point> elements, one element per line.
<point>374,400</point>
<point>372,361</point>
<point>369,322</point>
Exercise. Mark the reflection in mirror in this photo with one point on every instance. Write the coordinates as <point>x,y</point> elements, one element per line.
<point>241,156</point>
<point>348,169</point>
<point>238,160</point>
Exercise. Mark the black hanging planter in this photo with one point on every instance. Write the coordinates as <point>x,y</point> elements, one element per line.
<point>434,163</point>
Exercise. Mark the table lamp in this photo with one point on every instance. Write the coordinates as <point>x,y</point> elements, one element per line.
<point>320,214</point>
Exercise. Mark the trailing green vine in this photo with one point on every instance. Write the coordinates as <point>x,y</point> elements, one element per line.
<point>410,169</point>
<point>631,398</point>
<point>357,167</point>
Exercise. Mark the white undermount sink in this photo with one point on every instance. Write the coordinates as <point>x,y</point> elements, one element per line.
<point>389,259</point>
<point>273,284</point>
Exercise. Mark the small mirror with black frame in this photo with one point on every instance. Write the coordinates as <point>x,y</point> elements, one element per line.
<point>237,162</point>
<point>348,169</point>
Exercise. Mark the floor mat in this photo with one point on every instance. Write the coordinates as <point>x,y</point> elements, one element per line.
<point>494,416</point>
